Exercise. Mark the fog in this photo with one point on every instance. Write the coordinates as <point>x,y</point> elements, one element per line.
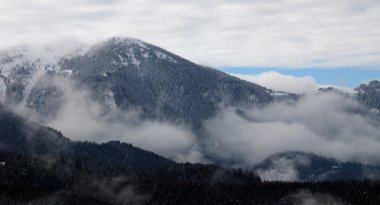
<point>283,168</point>
<point>307,198</point>
<point>329,125</point>
<point>81,118</point>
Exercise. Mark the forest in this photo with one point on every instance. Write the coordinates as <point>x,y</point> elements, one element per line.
<point>38,165</point>
<point>72,180</point>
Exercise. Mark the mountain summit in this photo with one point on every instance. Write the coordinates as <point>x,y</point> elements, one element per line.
<point>125,73</point>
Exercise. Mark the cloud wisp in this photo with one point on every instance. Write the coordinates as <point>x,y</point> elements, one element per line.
<point>279,82</point>
<point>306,198</point>
<point>288,83</point>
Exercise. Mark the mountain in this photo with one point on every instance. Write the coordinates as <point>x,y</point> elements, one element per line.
<point>369,95</point>
<point>302,166</point>
<point>122,74</point>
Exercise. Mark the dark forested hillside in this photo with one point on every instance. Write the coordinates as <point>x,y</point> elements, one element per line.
<point>22,136</point>
<point>26,180</point>
<point>30,139</point>
<point>40,166</point>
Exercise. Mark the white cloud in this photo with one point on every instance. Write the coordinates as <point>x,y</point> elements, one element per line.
<point>306,198</point>
<point>80,118</point>
<point>283,170</point>
<point>288,83</point>
<point>275,33</point>
<point>279,82</point>
<point>329,125</point>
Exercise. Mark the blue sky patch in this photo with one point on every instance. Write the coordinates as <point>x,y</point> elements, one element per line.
<point>347,77</point>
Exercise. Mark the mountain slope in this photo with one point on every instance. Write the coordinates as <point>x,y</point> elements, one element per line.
<point>124,73</point>
<point>30,139</point>
<point>369,95</point>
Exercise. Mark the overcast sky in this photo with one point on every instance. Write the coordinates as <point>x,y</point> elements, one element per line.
<point>219,33</point>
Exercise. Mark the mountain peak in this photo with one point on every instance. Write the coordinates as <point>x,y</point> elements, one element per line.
<point>130,51</point>
<point>126,41</point>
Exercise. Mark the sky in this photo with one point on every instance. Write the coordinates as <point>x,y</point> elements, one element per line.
<point>310,36</point>
<point>340,77</point>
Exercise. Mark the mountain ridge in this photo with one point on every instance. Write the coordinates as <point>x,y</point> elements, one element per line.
<point>125,73</point>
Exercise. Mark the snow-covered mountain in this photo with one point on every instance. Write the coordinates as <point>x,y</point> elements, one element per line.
<point>121,74</point>
<point>22,66</point>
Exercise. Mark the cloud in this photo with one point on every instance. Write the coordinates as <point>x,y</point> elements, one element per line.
<point>276,33</point>
<point>288,83</point>
<point>306,198</point>
<point>329,125</point>
<point>279,82</point>
<point>283,168</point>
<point>80,118</point>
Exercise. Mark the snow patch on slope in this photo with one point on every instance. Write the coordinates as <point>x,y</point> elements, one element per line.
<point>163,56</point>
<point>137,48</point>
<point>127,41</point>
<point>35,61</point>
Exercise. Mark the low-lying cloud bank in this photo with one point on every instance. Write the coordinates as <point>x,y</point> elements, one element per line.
<point>279,82</point>
<point>81,118</point>
<point>306,198</point>
<point>329,125</point>
<point>283,168</point>
<point>287,83</point>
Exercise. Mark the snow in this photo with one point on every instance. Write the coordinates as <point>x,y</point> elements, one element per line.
<point>278,94</point>
<point>45,58</point>
<point>130,51</point>
<point>113,62</point>
<point>39,58</point>
<point>375,111</point>
<point>131,55</point>
<point>163,56</point>
<point>68,72</point>
<point>110,100</point>
<point>123,61</point>
<point>252,98</point>
<point>128,41</point>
